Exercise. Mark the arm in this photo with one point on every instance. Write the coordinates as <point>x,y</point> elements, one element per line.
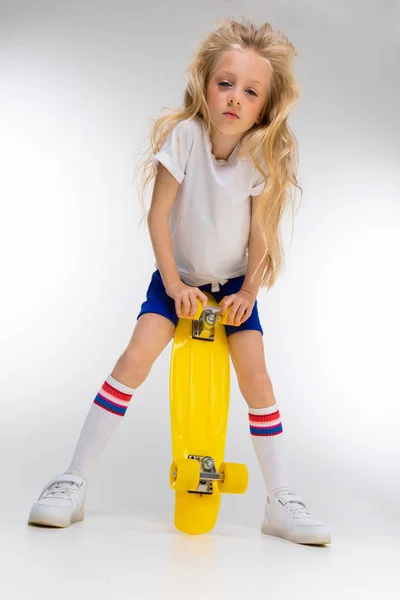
<point>256,249</point>
<point>164,194</point>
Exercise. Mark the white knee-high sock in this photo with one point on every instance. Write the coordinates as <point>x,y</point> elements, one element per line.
<point>103,418</point>
<point>267,436</point>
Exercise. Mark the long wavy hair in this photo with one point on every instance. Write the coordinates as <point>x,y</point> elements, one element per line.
<point>272,135</point>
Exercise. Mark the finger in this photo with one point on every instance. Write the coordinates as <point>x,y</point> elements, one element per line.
<point>225,303</point>
<point>237,312</point>
<point>240,314</point>
<point>232,314</point>
<point>193,302</point>
<point>203,299</point>
<point>185,300</point>
<point>247,314</point>
<point>178,308</point>
<point>224,307</point>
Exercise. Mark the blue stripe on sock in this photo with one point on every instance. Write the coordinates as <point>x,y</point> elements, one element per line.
<point>266,430</point>
<point>110,406</point>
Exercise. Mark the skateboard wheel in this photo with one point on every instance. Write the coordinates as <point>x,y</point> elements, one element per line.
<point>223,319</point>
<point>184,474</point>
<point>236,478</point>
<point>196,317</point>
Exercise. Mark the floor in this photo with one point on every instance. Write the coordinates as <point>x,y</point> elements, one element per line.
<point>122,557</point>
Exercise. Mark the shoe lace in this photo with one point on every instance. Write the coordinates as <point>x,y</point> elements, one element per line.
<point>296,506</point>
<point>61,488</point>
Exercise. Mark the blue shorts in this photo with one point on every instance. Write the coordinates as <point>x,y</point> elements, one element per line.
<point>158,301</point>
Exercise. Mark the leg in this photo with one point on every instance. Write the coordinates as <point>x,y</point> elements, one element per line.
<point>286,515</point>
<point>247,353</point>
<point>62,500</point>
<point>154,329</point>
<point>150,336</point>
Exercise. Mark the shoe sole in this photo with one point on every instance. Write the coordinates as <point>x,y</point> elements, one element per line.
<point>43,516</point>
<point>321,537</point>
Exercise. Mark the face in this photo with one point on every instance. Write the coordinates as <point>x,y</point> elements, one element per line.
<point>240,83</point>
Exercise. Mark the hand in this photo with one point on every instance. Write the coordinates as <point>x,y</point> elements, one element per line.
<point>242,306</point>
<point>185,297</point>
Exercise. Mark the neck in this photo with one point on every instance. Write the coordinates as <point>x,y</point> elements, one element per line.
<point>222,145</point>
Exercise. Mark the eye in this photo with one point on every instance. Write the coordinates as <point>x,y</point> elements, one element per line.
<point>222,83</point>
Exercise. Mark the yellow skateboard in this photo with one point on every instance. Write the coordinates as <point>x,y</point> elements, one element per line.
<point>199,402</point>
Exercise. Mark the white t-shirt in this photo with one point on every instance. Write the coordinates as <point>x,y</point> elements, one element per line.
<point>210,218</point>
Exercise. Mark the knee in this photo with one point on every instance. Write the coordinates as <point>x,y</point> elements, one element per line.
<point>254,384</point>
<point>134,360</point>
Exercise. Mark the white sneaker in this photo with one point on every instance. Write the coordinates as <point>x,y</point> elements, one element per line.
<point>61,502</point>
<point>286,516</point>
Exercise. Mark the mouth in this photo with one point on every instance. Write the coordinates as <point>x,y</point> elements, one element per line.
<point>232,114</point>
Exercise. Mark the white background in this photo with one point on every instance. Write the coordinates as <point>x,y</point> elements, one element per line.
<point>81,83</point>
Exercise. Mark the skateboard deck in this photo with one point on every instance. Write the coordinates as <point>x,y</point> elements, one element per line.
<point>199,403</point>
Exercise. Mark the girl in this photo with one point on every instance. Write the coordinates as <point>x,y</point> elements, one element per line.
<point>222,169</point>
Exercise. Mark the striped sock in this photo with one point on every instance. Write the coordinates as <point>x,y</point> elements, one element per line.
<point>104,416</point>
<point>267,436</point>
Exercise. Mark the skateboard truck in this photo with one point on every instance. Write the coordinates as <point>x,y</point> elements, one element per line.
<point>204,327</point>
<point>208,474</point>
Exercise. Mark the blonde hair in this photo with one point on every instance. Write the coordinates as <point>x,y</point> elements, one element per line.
<point>271,135</point>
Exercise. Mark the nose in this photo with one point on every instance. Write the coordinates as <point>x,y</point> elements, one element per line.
<point>235,100</point>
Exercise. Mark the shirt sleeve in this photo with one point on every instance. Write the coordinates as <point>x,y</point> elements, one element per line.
<point>175,151</point>
<point>258,180</point>
<point>257,187</point>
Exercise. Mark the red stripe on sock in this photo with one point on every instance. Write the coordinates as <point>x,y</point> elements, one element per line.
<point>265,418</point>
<point>116,393</point>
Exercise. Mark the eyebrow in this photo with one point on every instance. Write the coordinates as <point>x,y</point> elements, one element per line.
<point>232,74</point>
